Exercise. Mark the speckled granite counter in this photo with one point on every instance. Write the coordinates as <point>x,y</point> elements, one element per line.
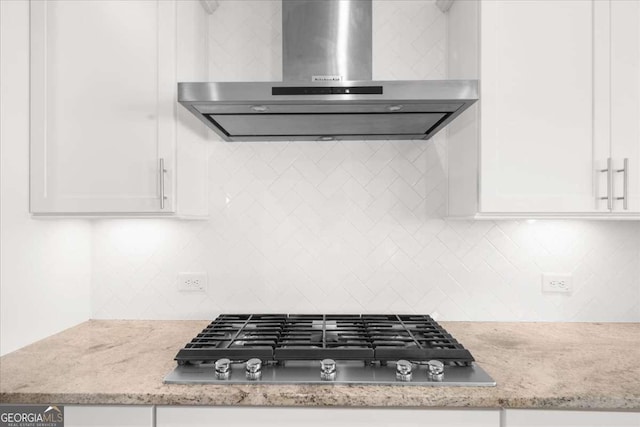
<point>536,365</point>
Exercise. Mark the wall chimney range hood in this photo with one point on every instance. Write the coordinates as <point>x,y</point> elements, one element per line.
<point>327,92</point>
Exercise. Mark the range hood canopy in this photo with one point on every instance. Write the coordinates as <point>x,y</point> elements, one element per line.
<point>327,93</point>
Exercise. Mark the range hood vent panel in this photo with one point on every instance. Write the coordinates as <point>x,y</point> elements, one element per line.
<point>326,125</point>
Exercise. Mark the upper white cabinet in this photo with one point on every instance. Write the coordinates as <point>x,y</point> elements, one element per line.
<point>536,106</point>
<point>559,96</point>
<point>625,103</point>
<point>105,135</point>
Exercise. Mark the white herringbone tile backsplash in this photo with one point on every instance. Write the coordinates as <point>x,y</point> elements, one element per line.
<point>354,226</point>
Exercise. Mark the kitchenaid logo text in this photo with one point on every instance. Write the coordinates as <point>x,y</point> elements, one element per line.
<point>326,78</point>
<point>31,416</point>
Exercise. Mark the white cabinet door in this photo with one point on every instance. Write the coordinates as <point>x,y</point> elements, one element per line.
<point>537,107</point>
<point>334,417</point>
<point>625,101</point>
<point>102,106</point>
<point>543,418</point>
<point>108,416</point>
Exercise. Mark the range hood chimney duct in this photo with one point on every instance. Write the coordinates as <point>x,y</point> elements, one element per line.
<point>328,40</point>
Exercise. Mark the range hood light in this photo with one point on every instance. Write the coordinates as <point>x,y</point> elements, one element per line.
<point>326,138</point>
<point>395,107</point>
<point>259,108</point>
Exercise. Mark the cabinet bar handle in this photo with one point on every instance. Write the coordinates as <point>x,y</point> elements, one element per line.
<point>163,171</point>
<point>609,197</point>
<point>625,185</point>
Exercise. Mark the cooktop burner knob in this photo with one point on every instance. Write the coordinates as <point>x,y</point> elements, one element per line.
<point>403,370</point>
<point>328,370</point>
<point>254,369</point>
<point>223,369</point>
<point>435,370</point>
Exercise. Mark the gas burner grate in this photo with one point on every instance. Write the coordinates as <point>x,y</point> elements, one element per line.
<point>413,337</point>
<point>235,336</point>
<point>341,337</point>
<point>281,337</point>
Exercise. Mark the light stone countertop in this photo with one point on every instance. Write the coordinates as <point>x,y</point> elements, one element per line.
<point>536,365</point>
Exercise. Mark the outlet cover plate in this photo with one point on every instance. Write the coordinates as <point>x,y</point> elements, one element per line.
<point>192,282</point>
<point>557,283</point>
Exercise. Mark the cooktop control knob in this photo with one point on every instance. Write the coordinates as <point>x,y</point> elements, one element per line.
<point>254,369</point>
<point>223,369</point>
<point>403,370</point>
<point>435,370</point>
<point>328,370</point>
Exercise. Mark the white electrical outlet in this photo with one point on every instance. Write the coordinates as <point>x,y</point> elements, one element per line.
<point>559,283</point>
<point>192,282</point>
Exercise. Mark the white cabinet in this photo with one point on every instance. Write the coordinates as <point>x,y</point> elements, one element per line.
<point>545,418</point>
<point>108,416</point>
<point>174,416</point>
<point>536,106</point>
<point>104,111</point>
<point>205,416</point>
<point>559,95</point>
<point>625,101</point>
<point>617,104</point>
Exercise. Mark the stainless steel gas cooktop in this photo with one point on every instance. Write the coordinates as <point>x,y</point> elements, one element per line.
<point>322,349</point>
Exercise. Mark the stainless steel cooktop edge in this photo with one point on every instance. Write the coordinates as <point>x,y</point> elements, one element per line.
<point>346,373</point>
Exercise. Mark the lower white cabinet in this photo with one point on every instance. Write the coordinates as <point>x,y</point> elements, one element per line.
<point>174,416</point>
<point>205,416</point>
<point>544,418</point>
<point>108,416</point>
